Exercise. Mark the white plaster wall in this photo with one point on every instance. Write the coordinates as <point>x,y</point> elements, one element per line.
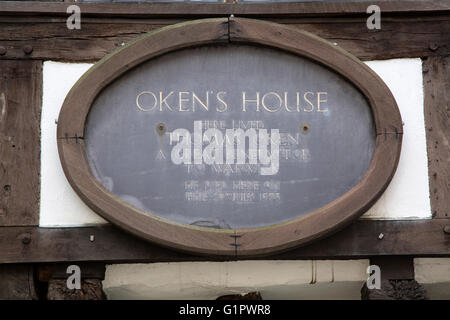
<point>434,275</point>
<point>432,270</point>
<point>407,197</point>
<point>60,205</point>
<point>209,280</point>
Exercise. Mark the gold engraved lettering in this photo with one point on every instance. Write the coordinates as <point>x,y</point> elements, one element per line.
<point>181,100</point>
<point>266,107</point>
<point>286,103</point>
<point>225,106</point>
<point>148,108</point>
<point>194,98</point>
<point>319,101</point>
<point>161,101</point>
<point>308,101</point>
<point>244,101</point>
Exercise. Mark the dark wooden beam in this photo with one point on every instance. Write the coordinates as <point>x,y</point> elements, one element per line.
<point>306,9</point>
<point>436,80</point>
<point>399,37</point>
<point>89,270</point>
<point>222,9</point>
<point>359,240</point>
<point>403,37</point>
<point>20,118</point>
<point>394,267</point>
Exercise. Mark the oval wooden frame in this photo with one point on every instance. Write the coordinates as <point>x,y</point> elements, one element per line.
<point>241,242</point>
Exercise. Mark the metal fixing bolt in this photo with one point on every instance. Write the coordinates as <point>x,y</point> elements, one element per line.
<point>26,238</point>
<point>433,46</point>
<point>28,49</point>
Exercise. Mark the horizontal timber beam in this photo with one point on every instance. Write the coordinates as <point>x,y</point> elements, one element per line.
<point>220,9</point>
<point>361,239</point>
<point>399,37</point>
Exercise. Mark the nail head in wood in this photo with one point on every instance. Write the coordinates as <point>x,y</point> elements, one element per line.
<point>433,46</point>
<point>28,49</point>
<point>26,238</point>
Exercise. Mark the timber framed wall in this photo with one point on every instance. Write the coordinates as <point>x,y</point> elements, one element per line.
<point>32,32</point>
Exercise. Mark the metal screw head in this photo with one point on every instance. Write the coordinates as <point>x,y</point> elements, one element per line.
<point>447,229</point>
<point>2,50</point>
<point>28,49</point>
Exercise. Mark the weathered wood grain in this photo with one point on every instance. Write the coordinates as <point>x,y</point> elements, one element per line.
<point>403,37</point>
<point>53,41</point>
<point>409,29</point>
<point>339,8</point>
<point>399,37</point>
<point>215,9</point>
<point>436,79</point>
<point>20,111</point>
<point>16,282</point>
<point>112,245</point>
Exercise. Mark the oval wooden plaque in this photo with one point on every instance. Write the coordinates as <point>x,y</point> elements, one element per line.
<point>144,137</point>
